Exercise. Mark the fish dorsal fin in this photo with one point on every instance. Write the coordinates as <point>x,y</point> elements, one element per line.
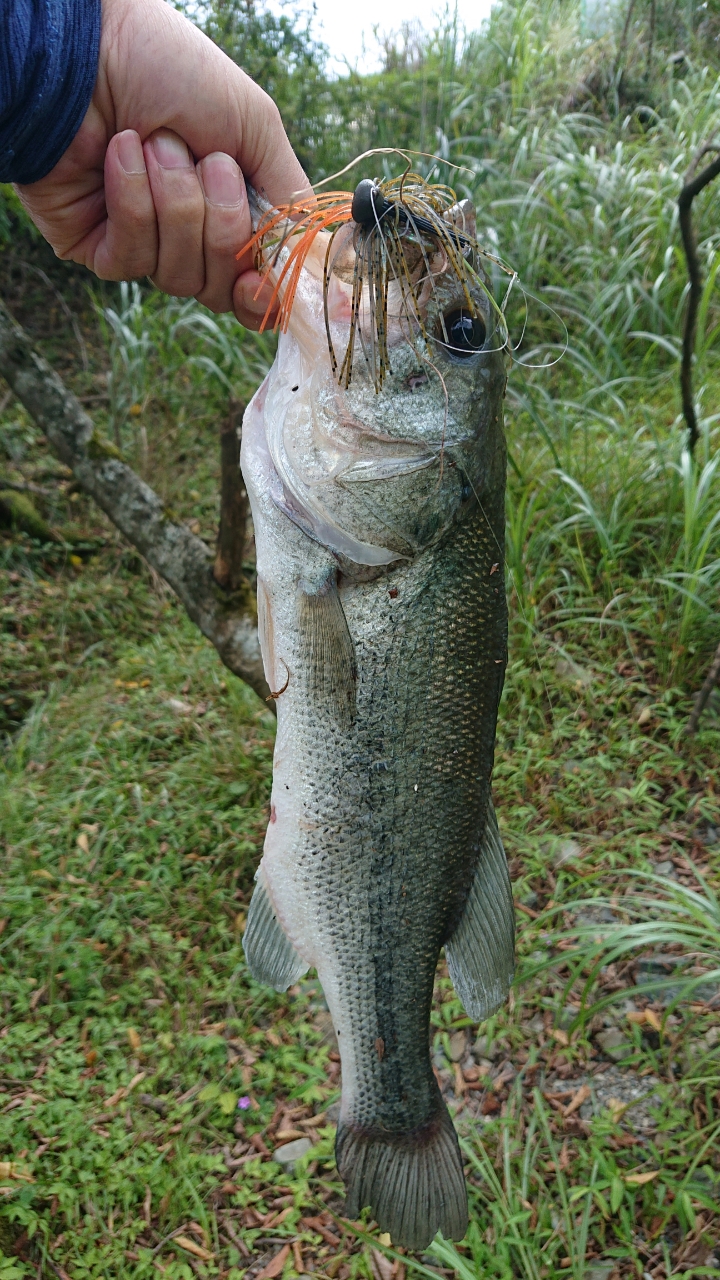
<point>271,956</point>
<point>481,951</point>
<point>327,649</point>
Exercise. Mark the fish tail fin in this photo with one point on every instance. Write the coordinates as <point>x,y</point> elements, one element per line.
<point>413,1182</point>
<point>271,956</point>
<point>481,951</point>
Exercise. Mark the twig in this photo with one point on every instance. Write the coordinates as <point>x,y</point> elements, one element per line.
<point>693,186</point>
<point>622,45</point>
<point>651,39</point>
<point>29,266</point>
<point>228,570</point>
<point>25,488</point>
<point>703,694</point>
<point>177,1232</point>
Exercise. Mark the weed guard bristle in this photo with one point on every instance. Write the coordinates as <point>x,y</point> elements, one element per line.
<point>389,218</point>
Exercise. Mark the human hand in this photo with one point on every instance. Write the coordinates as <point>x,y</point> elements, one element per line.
<point>153,182</point>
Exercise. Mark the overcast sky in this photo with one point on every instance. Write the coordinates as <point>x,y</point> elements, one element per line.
<point>346,25</point>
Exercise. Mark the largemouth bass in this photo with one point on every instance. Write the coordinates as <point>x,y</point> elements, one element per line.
<point>379,525</point>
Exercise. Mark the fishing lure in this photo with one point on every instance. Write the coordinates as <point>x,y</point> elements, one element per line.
<point>403,231</point>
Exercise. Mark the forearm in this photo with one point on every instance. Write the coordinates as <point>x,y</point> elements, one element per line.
<point>48,67</point>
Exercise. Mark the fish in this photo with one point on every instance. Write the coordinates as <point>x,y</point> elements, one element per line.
<point>376,485</point>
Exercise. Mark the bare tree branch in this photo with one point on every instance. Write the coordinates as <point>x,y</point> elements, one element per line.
<point>232,535</point>
<point>703,694</point>
<point>693,186</point>
<point>227,619</point>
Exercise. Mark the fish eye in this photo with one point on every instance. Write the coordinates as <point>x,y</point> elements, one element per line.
<point>465,334</point>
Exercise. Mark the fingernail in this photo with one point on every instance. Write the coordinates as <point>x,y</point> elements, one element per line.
<point>255,305</point>
<point>130,152</point>
<point>221,180</point>
<point>171,152</point>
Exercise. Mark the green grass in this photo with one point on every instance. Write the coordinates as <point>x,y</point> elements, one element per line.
<point>134,802</point>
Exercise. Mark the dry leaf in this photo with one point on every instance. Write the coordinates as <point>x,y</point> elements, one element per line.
<point>382,1266</point>
<point>561,1036</point>
<point>577,1100</point>
<point>653,1020</point>
<point>82,842</point>
<point>191,1247</point>
<point>275,1266</point>
<point>616,1108</point>
<point>9,1169</point>
<point>639,1179</point>
<point>133,1038</point>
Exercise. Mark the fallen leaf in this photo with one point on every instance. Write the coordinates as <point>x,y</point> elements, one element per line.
<point>653,1020</point>
<point>561,1036</point>
<point>82,842</point>
<point>382,1266</point>
<point>616,1108</point>
<point>191,1247</point>
<point>275,1266</point>
<point>9,1170</point>
<point>133,1038</point>
<point>577,1100</point>
<point>645,716</point>
<point>639,1179</point>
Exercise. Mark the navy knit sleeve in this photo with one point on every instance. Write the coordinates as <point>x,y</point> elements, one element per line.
<point>48,67</point>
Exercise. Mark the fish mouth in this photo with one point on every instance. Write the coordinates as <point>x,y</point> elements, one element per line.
<point>376,275</point>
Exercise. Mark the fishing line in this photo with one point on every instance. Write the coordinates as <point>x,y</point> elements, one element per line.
<point>395,151</point>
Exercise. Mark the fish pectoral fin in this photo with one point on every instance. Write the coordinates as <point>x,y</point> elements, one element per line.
<point>481,951</point>
<point>271,956</point>
<point>328,653</point>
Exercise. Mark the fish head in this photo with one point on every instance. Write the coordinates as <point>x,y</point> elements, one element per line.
<point>384,408</point>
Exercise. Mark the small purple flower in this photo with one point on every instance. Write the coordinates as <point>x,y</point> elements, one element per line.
<point>243,1103</point>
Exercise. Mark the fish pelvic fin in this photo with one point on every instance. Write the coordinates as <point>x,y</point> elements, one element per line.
<point>328,650</point>
<point>413,1182</point>
<point>271,956</point>
<point>481,951</point>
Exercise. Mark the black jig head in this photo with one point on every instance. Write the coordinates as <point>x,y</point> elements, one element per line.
<point>370,207</point>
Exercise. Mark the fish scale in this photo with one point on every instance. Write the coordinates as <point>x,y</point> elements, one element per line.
<point>382,845</point>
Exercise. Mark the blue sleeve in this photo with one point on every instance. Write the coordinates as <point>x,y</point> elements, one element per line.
<point>48,66</point>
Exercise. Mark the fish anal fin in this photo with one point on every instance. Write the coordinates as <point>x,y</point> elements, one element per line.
<point>271,956</point>
<point>328,654</point>
<point>413,1182</point>
<point>481,951</point>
